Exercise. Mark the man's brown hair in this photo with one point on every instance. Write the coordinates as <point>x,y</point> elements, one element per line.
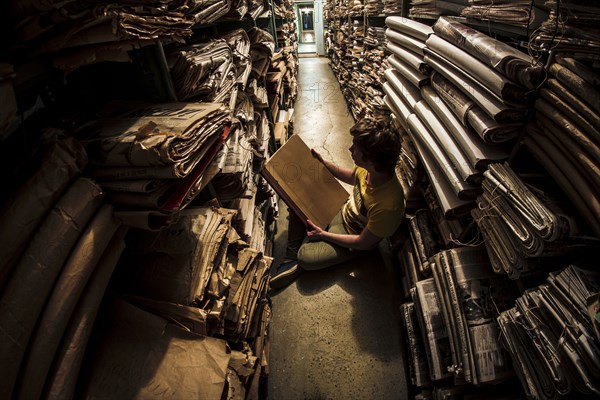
<point>378,140</point>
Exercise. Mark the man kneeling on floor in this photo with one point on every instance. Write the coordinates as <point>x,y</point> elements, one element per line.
<point>373,211</point>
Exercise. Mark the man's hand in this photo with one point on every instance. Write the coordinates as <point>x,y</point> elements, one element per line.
<point>343,174</point>
<point>316,155</point>
<point>313,232</point>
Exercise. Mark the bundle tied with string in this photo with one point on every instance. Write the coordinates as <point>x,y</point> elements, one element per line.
<point>520,223</point>
<point>471,296</point>
<point>550,336</point>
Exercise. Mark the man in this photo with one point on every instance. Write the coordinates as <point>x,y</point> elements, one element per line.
<point>373,211</point>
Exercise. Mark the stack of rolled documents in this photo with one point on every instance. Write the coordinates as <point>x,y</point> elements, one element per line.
<point>566,135</point>
<point>454,156</point>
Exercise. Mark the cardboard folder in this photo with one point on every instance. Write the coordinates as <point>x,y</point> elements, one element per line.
<point>304,183</point>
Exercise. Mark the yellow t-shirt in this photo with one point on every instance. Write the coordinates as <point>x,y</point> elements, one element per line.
<point>379,209</point>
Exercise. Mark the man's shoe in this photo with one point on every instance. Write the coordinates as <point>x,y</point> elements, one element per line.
<point>288,272</point>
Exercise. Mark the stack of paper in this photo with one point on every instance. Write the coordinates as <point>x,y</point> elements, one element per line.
<point>520,222</point>
<point>25,209</point>
<point>435,333</point>
<point>434,8</point>
<point>392,7</point>
<point>566,136</point>
<point>235,169</point>
<point>435,145</point>
<point>576,35</point>
<point>69,288</point>
<point>41,29</point>
<point>423,239</point>
<point>450,230</point>
<point>551,338</point>
<point>151,158</point>
<point>471,296</point>
<point>199,273</point>
<point>519,13</point>
<point>209,71</point>
<point>373,7</point>
<point>495,76</point>
<point>262,46</point>
<point>419,371</point>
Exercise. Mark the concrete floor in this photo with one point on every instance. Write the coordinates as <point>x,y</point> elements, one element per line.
<point>335,333</point>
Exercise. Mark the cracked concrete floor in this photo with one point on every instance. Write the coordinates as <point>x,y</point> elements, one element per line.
<point>335,333</point>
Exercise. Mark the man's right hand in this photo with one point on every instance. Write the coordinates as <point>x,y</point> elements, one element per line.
<point>316,155</point>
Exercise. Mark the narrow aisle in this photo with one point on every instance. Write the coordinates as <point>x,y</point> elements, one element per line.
<point>336,333</point>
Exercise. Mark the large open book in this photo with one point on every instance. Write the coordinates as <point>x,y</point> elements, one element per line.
<point>305,185</point>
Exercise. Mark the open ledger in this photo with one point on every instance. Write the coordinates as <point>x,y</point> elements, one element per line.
<point>304,183</point>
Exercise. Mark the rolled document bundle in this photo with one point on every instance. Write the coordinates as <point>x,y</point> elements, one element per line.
<point>510,62</point>
<point>478,152</point>
<point>498,84</point>
<point>409,27</point>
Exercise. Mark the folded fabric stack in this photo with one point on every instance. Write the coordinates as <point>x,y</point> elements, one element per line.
<point>565,138</point>
<point>434,8</point>
<point>151,158</point>
<point>61,244</point>
<point>520,222</point>
<point>471,296</point>
<point>551,337</point>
